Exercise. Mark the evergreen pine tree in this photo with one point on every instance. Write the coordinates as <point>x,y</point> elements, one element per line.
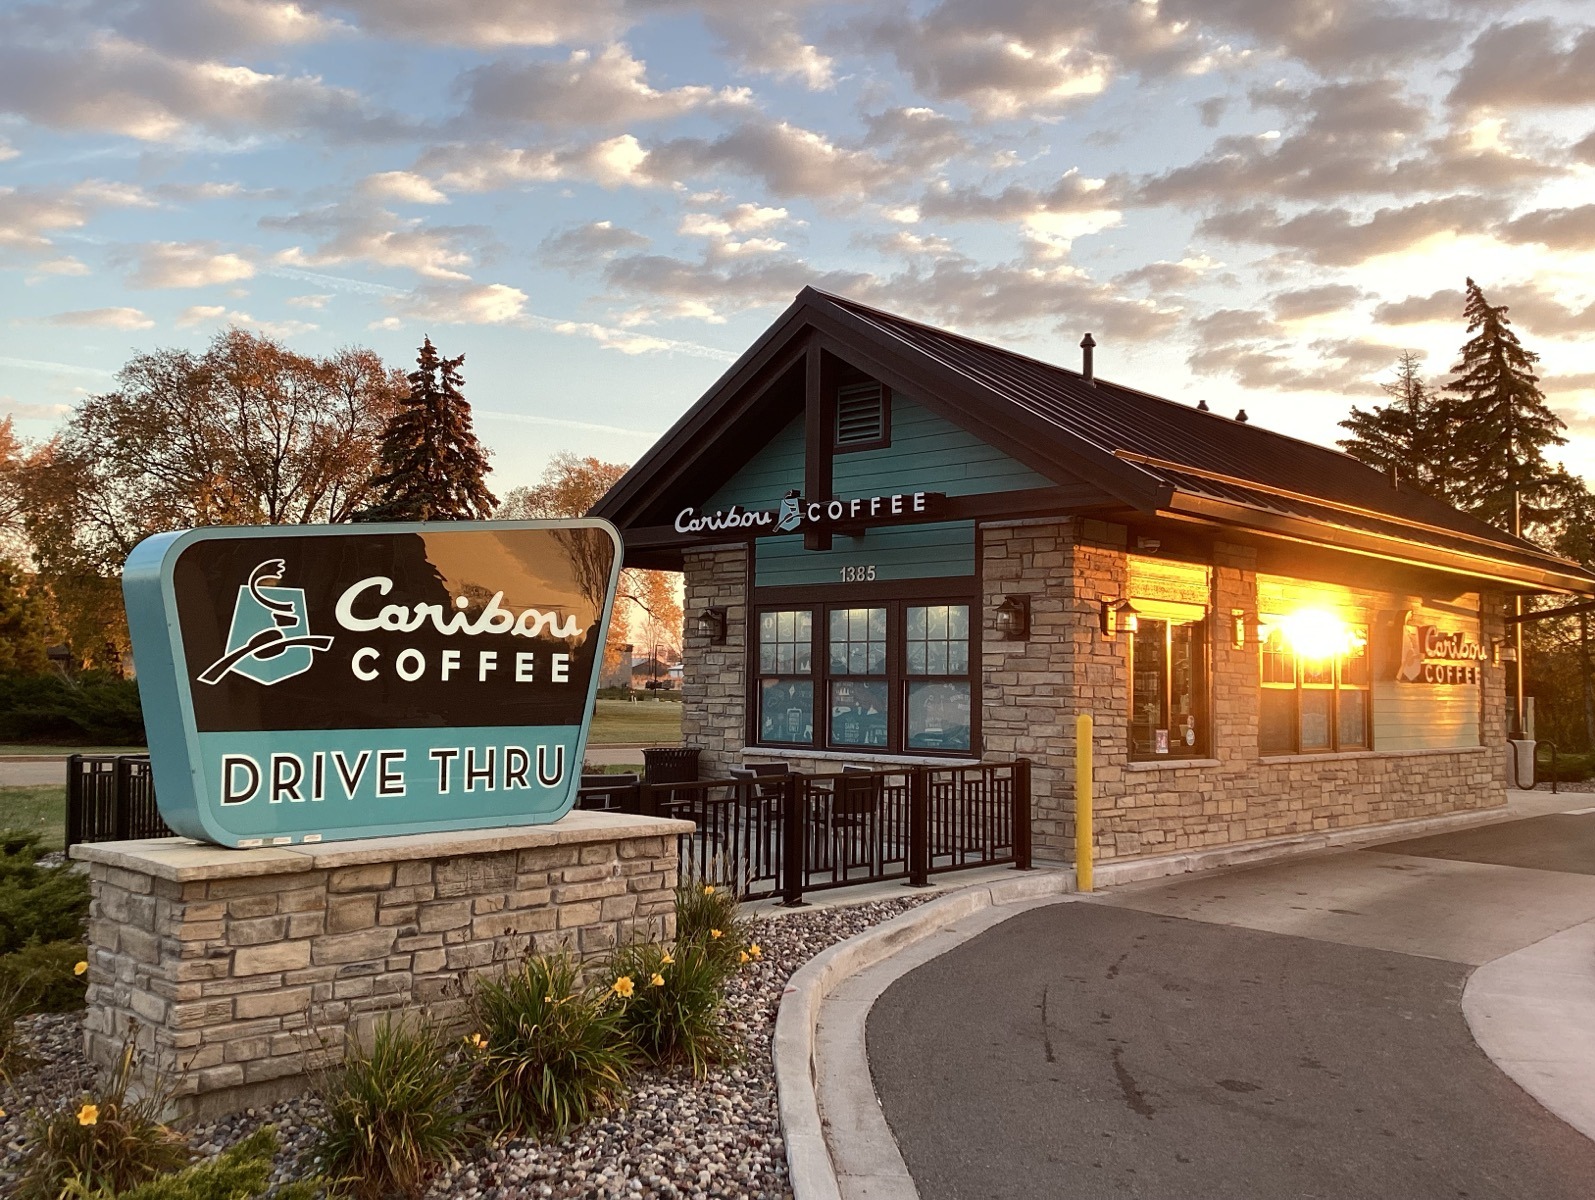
<point>1502,423</point>
<point>431,467</point>
<point>1411,433</point>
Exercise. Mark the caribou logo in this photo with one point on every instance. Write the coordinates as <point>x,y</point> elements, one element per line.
<point>269,639</point>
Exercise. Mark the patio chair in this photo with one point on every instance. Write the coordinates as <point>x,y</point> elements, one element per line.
<point>851,816</point>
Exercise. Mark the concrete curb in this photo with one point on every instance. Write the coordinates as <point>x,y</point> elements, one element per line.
<point>813,1173</point>
<point>1533,1013</point>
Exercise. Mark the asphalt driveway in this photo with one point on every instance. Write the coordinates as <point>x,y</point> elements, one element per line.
<point>1292,1030</point>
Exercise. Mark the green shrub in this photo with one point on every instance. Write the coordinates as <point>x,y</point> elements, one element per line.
<point>94,708</point>
<point>14,1058</point>
<point>38,904</point>
<point>393,1114</point>
<point>671,1003</point>
<point>708,916</point>
<point>549,1052</point>
<point>241,1172</point>
<point>105,1143</point>
<point>45,976</point>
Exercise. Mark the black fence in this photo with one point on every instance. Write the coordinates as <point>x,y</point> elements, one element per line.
<point>111,798</point>
<point>787,834</point>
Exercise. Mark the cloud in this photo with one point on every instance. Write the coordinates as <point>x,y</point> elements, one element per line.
<point>202,314</point>
<point>103,83</point>
<point>66,265</point>
<point>1443,305</point>
<point>318,301</point>
<point>1554,228</point>
<point>1529,307</point>
<point>1256,351</point>
<point>464,303</point>
<point>103,318</point>
<point>34,412</point>
<point>1336,236</point>
<point>7,150</point>
<point>586,245</point>
<point>403,186</point>
<point>1164,276</point>
<point>483,167</point>
<point>350,231</point>
<point>485,24</point>
<point>786,159</point>
<point>1071,194</point>
<point>766,41</point>
<point>1314,301</point>
<point>214,28</point>
<point>29,217</point>
<point>1530,64</point>
<point>187,265</point>
<point>583,91</point>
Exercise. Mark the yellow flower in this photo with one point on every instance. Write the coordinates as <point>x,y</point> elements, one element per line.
<point>755,951</point>
<point>666,960</point>
<point>623,987</point>
<point>708,889</point>
<point>656,979</point>
<point>742,956</point>
<point>2,1114</point>
<point>478,1041</point>
<point>88,1114</point>
<point>79,968</point>
<point>549,999</point>
<point>715,934</point>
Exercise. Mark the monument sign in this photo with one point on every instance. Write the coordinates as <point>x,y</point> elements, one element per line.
<point>315,683</point>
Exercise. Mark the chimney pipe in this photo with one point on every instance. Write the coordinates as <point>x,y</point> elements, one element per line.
<point>1087,345</point>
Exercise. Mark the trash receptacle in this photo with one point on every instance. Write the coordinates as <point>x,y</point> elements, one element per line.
<point>670,764</point>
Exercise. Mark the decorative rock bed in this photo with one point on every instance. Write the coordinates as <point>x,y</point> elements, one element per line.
<point>675,1138</point>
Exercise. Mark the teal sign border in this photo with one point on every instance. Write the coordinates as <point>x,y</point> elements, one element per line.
<point>166,690</point>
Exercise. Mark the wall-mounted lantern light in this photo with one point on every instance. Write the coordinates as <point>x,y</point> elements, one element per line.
<point>1013,618</point>
<point>1505,651</point>
<point>712,625</point>
<point>1119,615</point>
<point>1239,625</point>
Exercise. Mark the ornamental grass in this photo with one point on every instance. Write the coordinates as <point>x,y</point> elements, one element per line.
<point>708,915</point>
<point>549,1052</point>
<point>393,1115</point>
<point>106,1143</point>
<point>670,1002</point>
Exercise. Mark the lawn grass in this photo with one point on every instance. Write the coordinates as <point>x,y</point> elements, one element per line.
<point>13,749</point>
<point>39,809</point>
<point>649,722</point>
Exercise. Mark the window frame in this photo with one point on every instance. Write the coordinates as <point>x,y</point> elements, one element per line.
<point>896,677</point>
<point>1335,688</point>
<point>1171,614</point>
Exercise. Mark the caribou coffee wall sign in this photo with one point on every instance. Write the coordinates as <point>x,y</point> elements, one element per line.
<point>303,684</point>
<point>1432,655</point>
<point>795,514</point>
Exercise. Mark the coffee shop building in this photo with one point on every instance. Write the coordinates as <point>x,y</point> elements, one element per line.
<point>902,546</point>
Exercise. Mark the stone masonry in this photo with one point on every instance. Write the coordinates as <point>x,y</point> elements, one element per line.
<point>1033,690</point>
<point>241,970</point>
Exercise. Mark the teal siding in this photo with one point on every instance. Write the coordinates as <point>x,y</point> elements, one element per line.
<point>928,454</point>
<point>768,475</point>
<point>943,550</point>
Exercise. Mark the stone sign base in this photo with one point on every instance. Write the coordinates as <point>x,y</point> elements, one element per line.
<point>238,971</point>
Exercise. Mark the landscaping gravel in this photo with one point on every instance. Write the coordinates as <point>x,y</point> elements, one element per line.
<point>676,1138</point>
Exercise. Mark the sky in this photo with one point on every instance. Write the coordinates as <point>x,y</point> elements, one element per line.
<point>602,203</point>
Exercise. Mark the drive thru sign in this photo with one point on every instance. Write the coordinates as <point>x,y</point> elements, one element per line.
<point>313,683</point>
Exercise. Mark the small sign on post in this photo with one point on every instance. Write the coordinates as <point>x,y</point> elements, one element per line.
<point>318,683</point>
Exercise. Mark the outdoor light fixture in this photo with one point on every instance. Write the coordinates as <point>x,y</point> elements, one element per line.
<point>1239,623</point>
<point>712,625</point>
<point>1013,618</point>
<point>1117,615</point>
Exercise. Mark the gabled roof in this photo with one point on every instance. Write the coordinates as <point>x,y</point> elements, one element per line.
<point>1151,455</point>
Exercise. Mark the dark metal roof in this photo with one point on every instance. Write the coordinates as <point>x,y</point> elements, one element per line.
<point>1234,462</point>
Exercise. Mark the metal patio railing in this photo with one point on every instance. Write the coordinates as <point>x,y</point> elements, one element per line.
<point>111,798</point>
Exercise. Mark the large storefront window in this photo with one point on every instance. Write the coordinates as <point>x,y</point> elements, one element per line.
<point>1168,701</point>
<point>1314,696</point>
<point>895,677</point>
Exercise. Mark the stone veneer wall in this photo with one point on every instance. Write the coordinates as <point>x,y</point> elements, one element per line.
<point>714,678</point>
<point>245,968</point>
<point>1034,689</point>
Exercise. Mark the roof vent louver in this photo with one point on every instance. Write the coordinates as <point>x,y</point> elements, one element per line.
<point>860,413</point>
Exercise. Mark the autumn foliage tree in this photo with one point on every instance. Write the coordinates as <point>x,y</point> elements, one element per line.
<point>432,468</point>
<point>244,432</point>
<point>648,604</point>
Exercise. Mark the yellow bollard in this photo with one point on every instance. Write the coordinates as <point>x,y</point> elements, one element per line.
<point>1082,802</point>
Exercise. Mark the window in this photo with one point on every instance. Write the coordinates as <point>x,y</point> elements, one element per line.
<point>1168,693</point>
<point>786,677</point>
<point>1313,705</point>
<point>895,677</point>
<point>936,664</point>
<point>861,416</point>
